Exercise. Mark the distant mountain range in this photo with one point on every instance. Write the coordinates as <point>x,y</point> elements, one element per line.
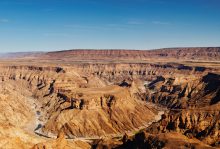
<point>19,54</point>
<point>198,53</point>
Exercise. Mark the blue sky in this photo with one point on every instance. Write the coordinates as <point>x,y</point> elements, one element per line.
<point>45,25</point>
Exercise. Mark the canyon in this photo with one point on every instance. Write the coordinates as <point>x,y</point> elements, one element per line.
<point>166,98</point>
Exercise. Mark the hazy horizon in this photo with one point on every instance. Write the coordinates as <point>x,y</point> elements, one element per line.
<point>2,52</point>
<point>54,25</point>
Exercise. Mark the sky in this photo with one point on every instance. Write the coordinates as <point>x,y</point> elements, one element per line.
<point>49,25</point>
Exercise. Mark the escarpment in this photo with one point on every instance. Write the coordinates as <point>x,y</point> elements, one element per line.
<point>202,53</point>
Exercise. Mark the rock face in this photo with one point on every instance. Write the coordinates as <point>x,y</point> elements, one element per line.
<point>12,103</point>
<point>185,92</point>
<point>99,102</point>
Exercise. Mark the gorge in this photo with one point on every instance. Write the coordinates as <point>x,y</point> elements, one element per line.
<point>166,98</point>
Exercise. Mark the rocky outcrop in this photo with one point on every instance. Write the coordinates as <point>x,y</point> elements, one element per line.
<point>185,92</point>
<point>109,110</point>
<point>202,124</point>
<point>62,143</point>
<point>144,140</point>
